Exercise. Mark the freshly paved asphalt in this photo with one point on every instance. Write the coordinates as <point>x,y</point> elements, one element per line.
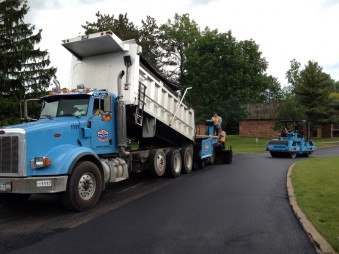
<point>237,208</point>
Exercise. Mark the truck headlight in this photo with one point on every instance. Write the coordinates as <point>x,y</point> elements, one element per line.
<point>40,162</point>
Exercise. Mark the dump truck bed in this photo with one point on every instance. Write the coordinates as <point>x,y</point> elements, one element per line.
<point>99,58</point>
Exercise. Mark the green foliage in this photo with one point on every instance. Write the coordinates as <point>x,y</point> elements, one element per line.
<point>175,37</point>
<point>121,26</point>
<point>149,41</point>
<point>147,36</point>
<point>334,96</point>
<point>23,68</point>
<point>293,74</point>
<point>225,74</point>
<point>273,92</point>
<point>312,87</point>
<point>290,109</point>
<point>8,114</point>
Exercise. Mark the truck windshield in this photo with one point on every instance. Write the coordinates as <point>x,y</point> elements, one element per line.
<point>64,105</point>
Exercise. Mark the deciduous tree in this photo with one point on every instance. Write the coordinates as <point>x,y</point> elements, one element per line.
<point>225,74</point>
<point>175,37</point>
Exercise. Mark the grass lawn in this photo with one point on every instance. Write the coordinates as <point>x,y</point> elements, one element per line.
<point>315,183</point>
<point>252,144</point>
<point>246,144</point>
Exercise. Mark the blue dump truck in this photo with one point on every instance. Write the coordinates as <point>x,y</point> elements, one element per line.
<point>119,116</point>
<point>292,143</point>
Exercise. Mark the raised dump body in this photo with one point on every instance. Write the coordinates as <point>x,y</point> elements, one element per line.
<point>151,101</point>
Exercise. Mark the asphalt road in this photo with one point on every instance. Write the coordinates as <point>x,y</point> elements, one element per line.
<point>237,208</point>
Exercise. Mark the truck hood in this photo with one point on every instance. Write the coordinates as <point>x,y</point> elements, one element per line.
<point>43,124</point>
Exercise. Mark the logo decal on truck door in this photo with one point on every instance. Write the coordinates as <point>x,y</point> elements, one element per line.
<point>103,135</point>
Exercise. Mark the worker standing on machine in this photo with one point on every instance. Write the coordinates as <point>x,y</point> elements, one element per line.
<point>217,123</point>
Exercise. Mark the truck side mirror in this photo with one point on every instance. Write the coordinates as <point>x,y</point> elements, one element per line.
<point>108,103</point>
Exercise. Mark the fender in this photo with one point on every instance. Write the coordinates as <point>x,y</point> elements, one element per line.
<point>63,158</point>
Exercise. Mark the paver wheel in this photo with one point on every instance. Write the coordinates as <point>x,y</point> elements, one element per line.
<point>83,188</point>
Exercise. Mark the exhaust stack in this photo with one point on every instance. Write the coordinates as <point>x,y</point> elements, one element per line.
<point>121,119</point>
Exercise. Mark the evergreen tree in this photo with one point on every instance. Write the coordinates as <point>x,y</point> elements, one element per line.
<point>313,91</point>
<point>312,88</point>
<point>24,68</point>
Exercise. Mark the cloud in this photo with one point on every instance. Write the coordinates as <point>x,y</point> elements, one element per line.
<point>58,4</point>
<point>330,3</point>
<point>332,66</point>
<point>201,2</point>
<point>36,5</point>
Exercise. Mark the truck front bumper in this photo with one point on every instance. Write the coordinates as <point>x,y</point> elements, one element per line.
<point>31,185</point>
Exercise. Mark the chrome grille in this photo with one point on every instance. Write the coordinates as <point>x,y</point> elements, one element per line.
<point>9,154</point>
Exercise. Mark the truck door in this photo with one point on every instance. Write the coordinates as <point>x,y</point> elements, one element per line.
<point>102,129</point>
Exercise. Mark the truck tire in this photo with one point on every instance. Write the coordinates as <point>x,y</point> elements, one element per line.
<point>174,164</point>
<point>157,162</point>
<point>293,155</point>
<point>83,188</point>
<point>187,159</point>
<point>13,199</point>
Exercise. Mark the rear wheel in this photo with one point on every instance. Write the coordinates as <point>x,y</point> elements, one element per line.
<point>187,159</point>
<point>174,164</point>
<point>157,161</point>
<point>83,187</point>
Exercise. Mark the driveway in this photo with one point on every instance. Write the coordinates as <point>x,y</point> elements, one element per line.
<point>237,208</point>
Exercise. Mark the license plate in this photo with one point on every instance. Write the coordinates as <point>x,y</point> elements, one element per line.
<point>44,183</point>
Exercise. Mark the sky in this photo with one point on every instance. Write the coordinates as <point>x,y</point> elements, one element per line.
<point>284,30</point>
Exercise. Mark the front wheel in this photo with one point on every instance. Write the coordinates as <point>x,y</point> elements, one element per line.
<point>83,188</point>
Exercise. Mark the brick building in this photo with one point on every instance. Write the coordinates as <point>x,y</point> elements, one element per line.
<point>260,122</point>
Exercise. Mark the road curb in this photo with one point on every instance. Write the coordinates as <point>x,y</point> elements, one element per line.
<point>319,241</point>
